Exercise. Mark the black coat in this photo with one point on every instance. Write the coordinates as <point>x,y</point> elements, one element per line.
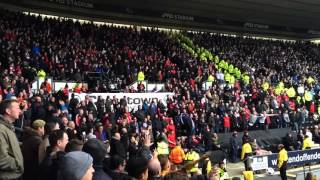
<point>99,174</point>
<point>117,148</point>
<point>30,152</point>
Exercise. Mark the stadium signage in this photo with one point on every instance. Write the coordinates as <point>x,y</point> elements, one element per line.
<point>295,158</point>
<point>133,99</point>
<point>177,17</point>
<point>76,3</point>
<point>255,26</point>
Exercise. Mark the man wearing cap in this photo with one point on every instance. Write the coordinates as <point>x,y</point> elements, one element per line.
<point>282,161</point>
<point>11,159</point>
<point>76,165</point>
<point>32,138</point>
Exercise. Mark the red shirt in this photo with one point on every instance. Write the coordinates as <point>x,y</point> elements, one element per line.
<point>226,122</point>
<point>172,140</point>
<point>312,108</point>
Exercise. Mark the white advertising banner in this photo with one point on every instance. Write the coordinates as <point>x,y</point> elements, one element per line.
<point>133,99</point>
<point>259,163</point>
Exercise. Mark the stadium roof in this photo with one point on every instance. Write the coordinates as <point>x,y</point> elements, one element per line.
<point>287,18</point>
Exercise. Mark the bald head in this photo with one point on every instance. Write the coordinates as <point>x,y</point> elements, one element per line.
<point>154,167</point>
<point>117,136</point>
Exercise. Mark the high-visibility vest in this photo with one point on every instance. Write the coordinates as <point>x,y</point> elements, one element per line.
<point>246,79</point>
<point>310,80</point>
<point>232,80</point>
<point>41,74</point>
<point>307,96</point>
<point>248,175</point>
<point>193,156</point>
<point>163,148</point>
<point>230,68</point>
<point>265,86</point>
<point>227,77</point>
<point>246,150</point>
<point>291,92</point>
<point>210,78</point>
<point>307,143</point>
<point>282,157</point>
<point>177,155</point>
<point>140,76</point>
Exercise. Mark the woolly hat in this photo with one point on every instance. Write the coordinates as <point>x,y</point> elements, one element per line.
<point>74,165</point>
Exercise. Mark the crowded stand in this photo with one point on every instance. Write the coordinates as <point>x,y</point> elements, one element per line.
<point>271,85</point>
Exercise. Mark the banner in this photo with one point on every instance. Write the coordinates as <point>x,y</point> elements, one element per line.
<point>295,158</point>
<point>133,99</point>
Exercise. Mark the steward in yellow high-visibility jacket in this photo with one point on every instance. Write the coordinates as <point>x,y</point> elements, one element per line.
<point>193,156</point>
<point>140,76</point>
<point>282,161</point>
<point>210,78</point>
<point>232,80</point>
<point>163,148</point>
<point>246,152</point>
<point>41,74</point>
<point>307,143</point>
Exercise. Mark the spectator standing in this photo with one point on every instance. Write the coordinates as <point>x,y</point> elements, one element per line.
<point>11,161</point>
<point>58,140</point>
<point>234,146</point>
<point>76,165</point>
<point>32,139</point>
<point>98,151</point>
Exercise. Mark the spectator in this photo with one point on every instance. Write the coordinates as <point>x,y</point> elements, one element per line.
<point>98,151</point>
<point>11,157</point>
<point>289,142</point>
<point>74,145</point>
<point>234,146</point>
<point>177,154</point>
<point>48,129</point>
<point>58,140</point>
<point>117,146</point>
<point>117,168</point>
<point>165,164</point>
<point>76,165</point>
<point>30,148</point>
<point>154,169</point>
<point>138,168</point>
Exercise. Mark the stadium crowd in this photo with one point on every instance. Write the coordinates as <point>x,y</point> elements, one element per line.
<point>66,138</point>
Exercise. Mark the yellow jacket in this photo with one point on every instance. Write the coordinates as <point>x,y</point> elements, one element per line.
<point>193,156</point>
<point>140,76</point>
<point>307,143</point>
<point>246,149</point>
<point>248,175</point>
<point>162,148</point>
<point>282,157</point>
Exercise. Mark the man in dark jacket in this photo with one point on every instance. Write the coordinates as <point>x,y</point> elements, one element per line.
<point>97,150</point>
<point>207,139</point>
<point>289,142</point>
<point>117,168</point>
<point>58,140</point>
<point>116,146</point>
<point>11,161</point>
<point>32,138</point>
<point>234,146</point>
